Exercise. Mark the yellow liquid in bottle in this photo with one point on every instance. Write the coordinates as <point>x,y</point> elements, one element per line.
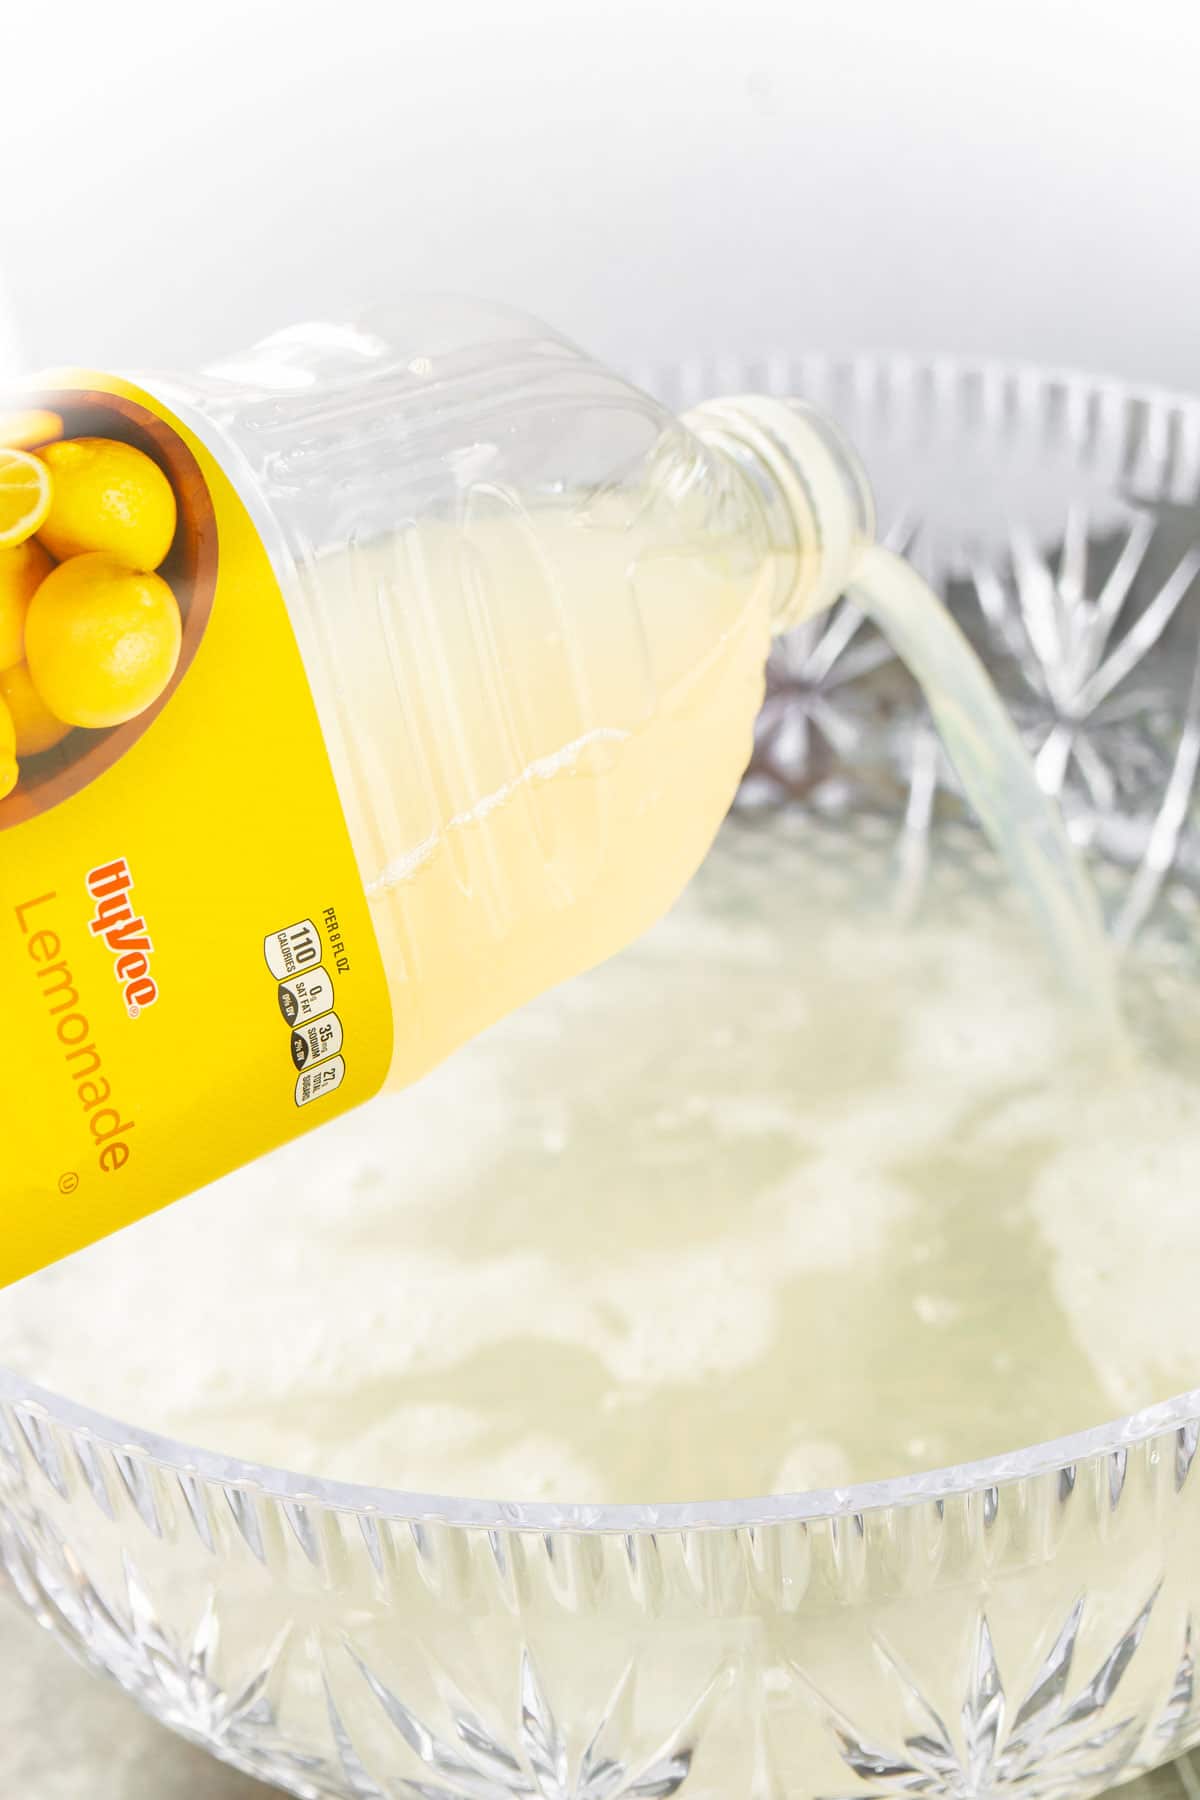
<point>545,755</point>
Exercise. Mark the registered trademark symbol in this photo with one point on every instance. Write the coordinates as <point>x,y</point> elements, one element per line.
<point>68,1183</point>
<point>135,1012</point>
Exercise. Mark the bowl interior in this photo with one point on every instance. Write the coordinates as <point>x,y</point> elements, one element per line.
<point>1002,487</point>
<point>1024,1625</point>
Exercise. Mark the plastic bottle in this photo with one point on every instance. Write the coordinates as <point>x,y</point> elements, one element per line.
<point>471,639</point>
<point>534,609</point>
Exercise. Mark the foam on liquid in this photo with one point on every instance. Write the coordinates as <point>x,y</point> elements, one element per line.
<point>789,1194</point>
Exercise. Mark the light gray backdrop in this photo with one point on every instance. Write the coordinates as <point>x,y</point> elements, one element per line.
<point>659,177</point>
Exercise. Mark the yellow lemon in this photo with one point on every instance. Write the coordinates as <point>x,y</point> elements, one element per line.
<point>21,572</point>
<point>102,641</point>
<point>107,496</point>
<point>26,430</point>
<point>24,495</point>
<point>35,725</point>
<point>9,772</point>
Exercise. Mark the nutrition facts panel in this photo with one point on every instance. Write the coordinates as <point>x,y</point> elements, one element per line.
<point>306,997</point>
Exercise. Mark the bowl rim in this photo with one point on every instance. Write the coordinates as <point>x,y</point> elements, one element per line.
<point>1025,381</point>
<point>626,1518</point>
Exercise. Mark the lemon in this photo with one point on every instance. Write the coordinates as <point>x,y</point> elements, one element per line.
<point>102,641</point>
<point>21,571</point>
<point>26,430</point>
<point>107,496</point>
<point>24,496</point>
<point>35,725</point>
<point>9,772</point>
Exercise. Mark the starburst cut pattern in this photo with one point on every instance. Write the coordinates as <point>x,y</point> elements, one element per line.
<point>175,1677</point>
<point>479,1762</point>
<point>811,718</point>
<point>1176,1727</point>
<point>459,1657</point>
<point>1080,644</point>
<point>1039,1746</point>
<point>1088,621</point>
<point>1095,696</point>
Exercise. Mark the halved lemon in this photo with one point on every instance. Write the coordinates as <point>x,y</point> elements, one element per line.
<point>32,426</point>
<point>25,489</point>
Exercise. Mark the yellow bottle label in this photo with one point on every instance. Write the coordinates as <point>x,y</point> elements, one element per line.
<point>189,969</point>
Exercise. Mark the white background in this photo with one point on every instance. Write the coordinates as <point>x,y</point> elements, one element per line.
<point>656,178</point>
<point>659,179</point>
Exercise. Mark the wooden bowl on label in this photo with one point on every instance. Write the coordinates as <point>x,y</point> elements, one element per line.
<point>190,568</point>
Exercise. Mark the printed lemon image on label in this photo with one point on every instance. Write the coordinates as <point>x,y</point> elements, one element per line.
<point>190,971</point>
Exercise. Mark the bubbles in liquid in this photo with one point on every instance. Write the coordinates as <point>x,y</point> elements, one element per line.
<point>790,1194</point>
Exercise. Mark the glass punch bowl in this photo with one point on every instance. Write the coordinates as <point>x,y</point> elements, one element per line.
<point>1025,1625</point>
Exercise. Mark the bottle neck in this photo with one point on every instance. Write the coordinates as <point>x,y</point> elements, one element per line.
<point>811,489</point>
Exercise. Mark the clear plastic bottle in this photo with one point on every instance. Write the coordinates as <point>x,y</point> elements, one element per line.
<point>535,610</point>
<point>481,743</point>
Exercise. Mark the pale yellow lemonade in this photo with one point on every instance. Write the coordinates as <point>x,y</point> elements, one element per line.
<point>560,724</point>
<point>547,754</point>
<point>795,1191</point>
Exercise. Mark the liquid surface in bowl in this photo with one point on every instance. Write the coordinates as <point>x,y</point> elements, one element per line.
<point>793,1193</point>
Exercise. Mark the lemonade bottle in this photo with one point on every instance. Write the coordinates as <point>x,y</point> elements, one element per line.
<point>535,610</point>
<point>376,680</point>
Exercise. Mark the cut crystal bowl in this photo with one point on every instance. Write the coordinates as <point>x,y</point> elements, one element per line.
<point>1024,1624</point>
